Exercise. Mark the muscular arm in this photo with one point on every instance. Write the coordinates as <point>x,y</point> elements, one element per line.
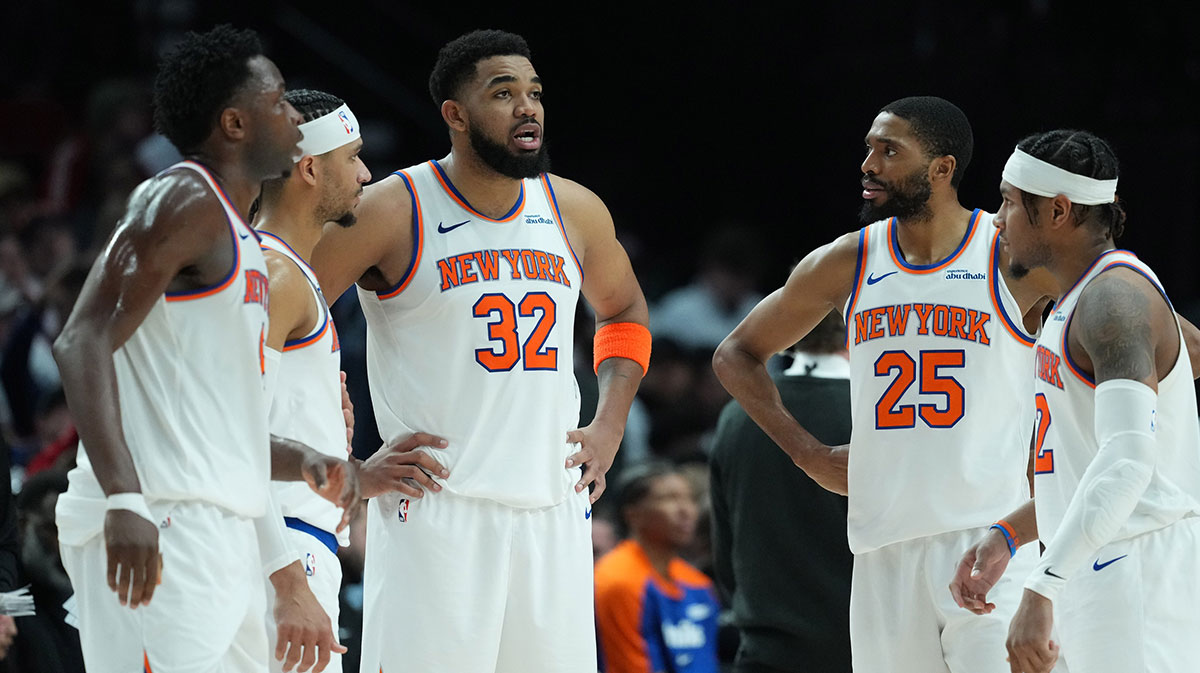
<point>820,283</point>
<point>174,224</point>
<point>374,252</point>
<point>175,236</point>
<point>1123,331</point>
<point>613,292</point>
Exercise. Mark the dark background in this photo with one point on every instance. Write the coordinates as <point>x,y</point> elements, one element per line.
<point>685,116</point>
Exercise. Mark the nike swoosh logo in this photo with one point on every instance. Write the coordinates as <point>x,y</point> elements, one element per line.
<point>443,229</point>
<point>587,514</point>
<point>244,236</point>
<point>871,279</point>
<point>1047,571</point>
<point>1098,566</point>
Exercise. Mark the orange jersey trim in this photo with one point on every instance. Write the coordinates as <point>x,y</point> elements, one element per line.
<point>860,271</point>
<point>460,200</point>
<point>200,293</point>
<point>893,244</point>
<point>418,240</point>
<point>993,282</point>
<point>562,228</point>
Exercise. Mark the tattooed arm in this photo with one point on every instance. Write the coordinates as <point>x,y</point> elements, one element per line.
<point>1123,332</point>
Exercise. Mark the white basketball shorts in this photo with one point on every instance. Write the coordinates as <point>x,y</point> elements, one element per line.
<point>205,617</point>
<point>453,583</point>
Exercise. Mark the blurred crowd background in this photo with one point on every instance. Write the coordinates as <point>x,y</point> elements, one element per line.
<point>725,138</point>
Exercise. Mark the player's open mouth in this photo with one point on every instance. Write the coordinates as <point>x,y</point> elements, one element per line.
<point>528,136</point>
<point>872,189</point>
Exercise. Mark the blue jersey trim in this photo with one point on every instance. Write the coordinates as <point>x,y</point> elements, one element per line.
<point>416,225</point>
<point>512,211</point>
<point>895,242</point>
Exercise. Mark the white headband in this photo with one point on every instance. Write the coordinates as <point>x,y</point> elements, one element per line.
<point>327,133</point>
<point>1030,174</point>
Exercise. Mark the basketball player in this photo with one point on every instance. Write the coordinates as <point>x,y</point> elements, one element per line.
<point>468,270</point>
<point>939,392</point>
<point>162,364</point>
<point>1117,466</point>
<point>303,354</point>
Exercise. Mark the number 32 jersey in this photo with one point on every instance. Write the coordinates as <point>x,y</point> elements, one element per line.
<point>474,344</point>
<point>940,389</point>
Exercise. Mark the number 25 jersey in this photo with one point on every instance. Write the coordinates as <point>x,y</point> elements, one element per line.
<point>940,388</point>
<point>474,344</point>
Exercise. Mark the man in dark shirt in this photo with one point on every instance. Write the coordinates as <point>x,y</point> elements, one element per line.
<point>778,537</point>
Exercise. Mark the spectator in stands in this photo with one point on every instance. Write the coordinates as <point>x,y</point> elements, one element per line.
<point>654,611</point>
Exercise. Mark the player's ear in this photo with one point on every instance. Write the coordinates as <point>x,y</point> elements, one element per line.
<point>232,123</point>
<point>942,169</point>
<point>306,168</point>
<point>1060,210</point>
<point>455,115</point>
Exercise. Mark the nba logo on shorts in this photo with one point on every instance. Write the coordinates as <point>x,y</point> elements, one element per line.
<point>402,510</point>
<point>310,565</point>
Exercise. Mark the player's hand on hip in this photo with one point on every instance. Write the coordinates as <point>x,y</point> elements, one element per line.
<point>134,564</point>
<point>980,567</point>
<point>826,465</point>
<point>304,631</point>
<point>1030,649</point>
<point>336,480</point>
<point>598,446</point>
<point>347,413</point>
<point>398,467</point>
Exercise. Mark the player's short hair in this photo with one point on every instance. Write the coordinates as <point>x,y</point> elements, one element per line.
<point>1082,153</point>
<point>312,104</point>
<point>940,126</point>
<point>457,59</point>
<point>197,79</point>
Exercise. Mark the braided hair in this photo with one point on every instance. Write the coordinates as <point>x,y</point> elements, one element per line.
<point>1082,153</point>
<point>312,104</point>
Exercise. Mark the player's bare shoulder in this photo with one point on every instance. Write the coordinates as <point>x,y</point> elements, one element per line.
<point>377,248</point>
<point>585,217</point>
<point>292,310</point>
<point>386,203</point>
<point>828,271</point>
<point>1125,326</point>
<point>174,221</point>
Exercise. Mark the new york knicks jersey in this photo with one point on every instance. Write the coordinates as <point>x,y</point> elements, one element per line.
<point>193,409</point>
<point>1065,442</point>
<point>474,344</point>
<point>307,403</point>
<point>939,390</point>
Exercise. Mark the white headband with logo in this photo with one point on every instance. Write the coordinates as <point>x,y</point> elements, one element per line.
<point>1030,174</point>
<point>329,132</point>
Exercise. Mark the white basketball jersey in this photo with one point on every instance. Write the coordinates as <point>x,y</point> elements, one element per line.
<point>1066,437</point>
<point>474,344</point>
<point>939,390</point>
<point>307,404</point>
<point>190,383</point>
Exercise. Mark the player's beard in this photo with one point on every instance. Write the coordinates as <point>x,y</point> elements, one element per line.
<point>1038,257</point>
<point>502,160</point>
<point>332,213</point>
<point>905,199</point>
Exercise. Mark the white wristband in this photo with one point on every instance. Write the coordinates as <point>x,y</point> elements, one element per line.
<point>134,502</point>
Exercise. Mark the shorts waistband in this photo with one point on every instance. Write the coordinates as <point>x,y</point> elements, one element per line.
<point>323,536</point>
